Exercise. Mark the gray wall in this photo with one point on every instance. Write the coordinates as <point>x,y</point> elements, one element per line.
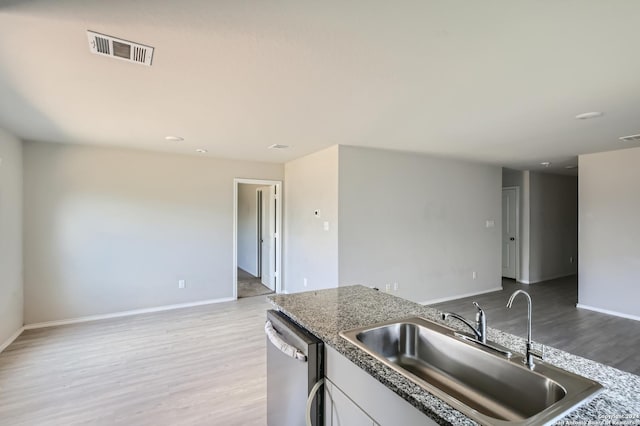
<point>310,251</point>
<point>525,226</point>
<point>609,233</point>
<point>110,230</point>
<point>248,228</point>
<point>553,226</point>
<point>511,177</point>
<point>11,289</point>
<point>418,221</point>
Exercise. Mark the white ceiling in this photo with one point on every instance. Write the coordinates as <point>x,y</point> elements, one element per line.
<point>491,81</point>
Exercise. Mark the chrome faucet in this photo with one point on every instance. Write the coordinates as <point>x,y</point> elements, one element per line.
<point>480,330</point>
<point>528,360</point>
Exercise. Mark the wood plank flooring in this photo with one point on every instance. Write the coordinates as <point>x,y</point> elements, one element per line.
<point>557,322</point>
<point>207,365</point>
<point>196,366</point>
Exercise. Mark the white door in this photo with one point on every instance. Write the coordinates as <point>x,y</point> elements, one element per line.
<point>509,232</point>
<point>268,237</point>
<point>259,233</point>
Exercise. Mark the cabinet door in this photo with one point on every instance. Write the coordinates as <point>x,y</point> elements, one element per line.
<point>369,395</point>
<point>341,411</point>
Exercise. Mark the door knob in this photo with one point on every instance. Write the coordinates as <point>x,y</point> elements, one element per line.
<point>512,238</point>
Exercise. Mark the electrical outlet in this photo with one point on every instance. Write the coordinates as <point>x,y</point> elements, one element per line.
<point>304,282</point>
<point>182,284</point>
<point>395,286</point>
<point>474,275</point>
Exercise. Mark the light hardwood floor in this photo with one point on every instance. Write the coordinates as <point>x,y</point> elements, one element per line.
<point>196,366</point>
<point>207,365</point>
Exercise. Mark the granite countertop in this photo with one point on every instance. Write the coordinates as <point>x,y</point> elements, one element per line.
<point>327,312</point>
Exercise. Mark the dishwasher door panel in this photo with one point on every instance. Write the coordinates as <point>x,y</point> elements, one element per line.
<point>289,379</point>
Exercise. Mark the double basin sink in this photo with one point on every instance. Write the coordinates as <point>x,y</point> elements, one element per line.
<point>490,386</point>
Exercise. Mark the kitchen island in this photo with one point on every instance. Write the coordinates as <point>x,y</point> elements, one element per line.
<point>326,313</point>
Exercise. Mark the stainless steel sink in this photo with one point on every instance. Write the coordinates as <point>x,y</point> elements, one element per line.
<point>487,387</point>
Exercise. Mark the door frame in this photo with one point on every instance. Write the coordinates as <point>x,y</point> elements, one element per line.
<point>278,272</point>
<point>517,188</point>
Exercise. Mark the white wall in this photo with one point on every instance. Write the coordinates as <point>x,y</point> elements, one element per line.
<point>110,230</point>
<point>248,228</point>
<point>418,221</point>
<point>310,251</point>
<point>553,226</point>
<point>609,233</point>
<point>11,284</point>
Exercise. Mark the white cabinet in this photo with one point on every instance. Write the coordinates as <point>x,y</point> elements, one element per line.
<point>362,400</point>
<point>339,410</point>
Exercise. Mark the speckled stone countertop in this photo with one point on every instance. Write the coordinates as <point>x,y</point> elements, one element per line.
<point>327,312</point>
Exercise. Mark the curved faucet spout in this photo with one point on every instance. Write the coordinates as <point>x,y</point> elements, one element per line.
<point>510,302</point>
<point>446,315</point>
<point>530,352</point>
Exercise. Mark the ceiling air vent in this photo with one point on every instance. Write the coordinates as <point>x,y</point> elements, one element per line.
<point>105,45</point>
<point>632,138</point>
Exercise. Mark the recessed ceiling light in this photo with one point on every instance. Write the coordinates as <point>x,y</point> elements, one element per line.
<point>201,151</point>
<point>278,146</point>
<point>545,163</point>
<point>588,115</point>
<point>174,138</point>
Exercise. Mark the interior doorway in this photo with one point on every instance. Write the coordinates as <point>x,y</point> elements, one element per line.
<point>257,237</point>
<point>510,232</point>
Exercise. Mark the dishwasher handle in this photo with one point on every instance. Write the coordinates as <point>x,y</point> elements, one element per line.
<point>277,341</point>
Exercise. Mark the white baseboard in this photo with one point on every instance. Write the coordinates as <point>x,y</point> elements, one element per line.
<point>459,296</point>
<point>608,312</point>
<point>126,313</point>
<point>11,338</point>
<point>553,277</point>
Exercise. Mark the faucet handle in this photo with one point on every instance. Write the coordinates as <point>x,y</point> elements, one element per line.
<point>480,312</point>
<point>481,323</point>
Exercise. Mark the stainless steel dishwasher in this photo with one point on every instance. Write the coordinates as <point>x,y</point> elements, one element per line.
<point>294,373</point>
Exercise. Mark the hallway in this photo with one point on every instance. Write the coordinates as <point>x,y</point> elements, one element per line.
<point>249,285</point>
